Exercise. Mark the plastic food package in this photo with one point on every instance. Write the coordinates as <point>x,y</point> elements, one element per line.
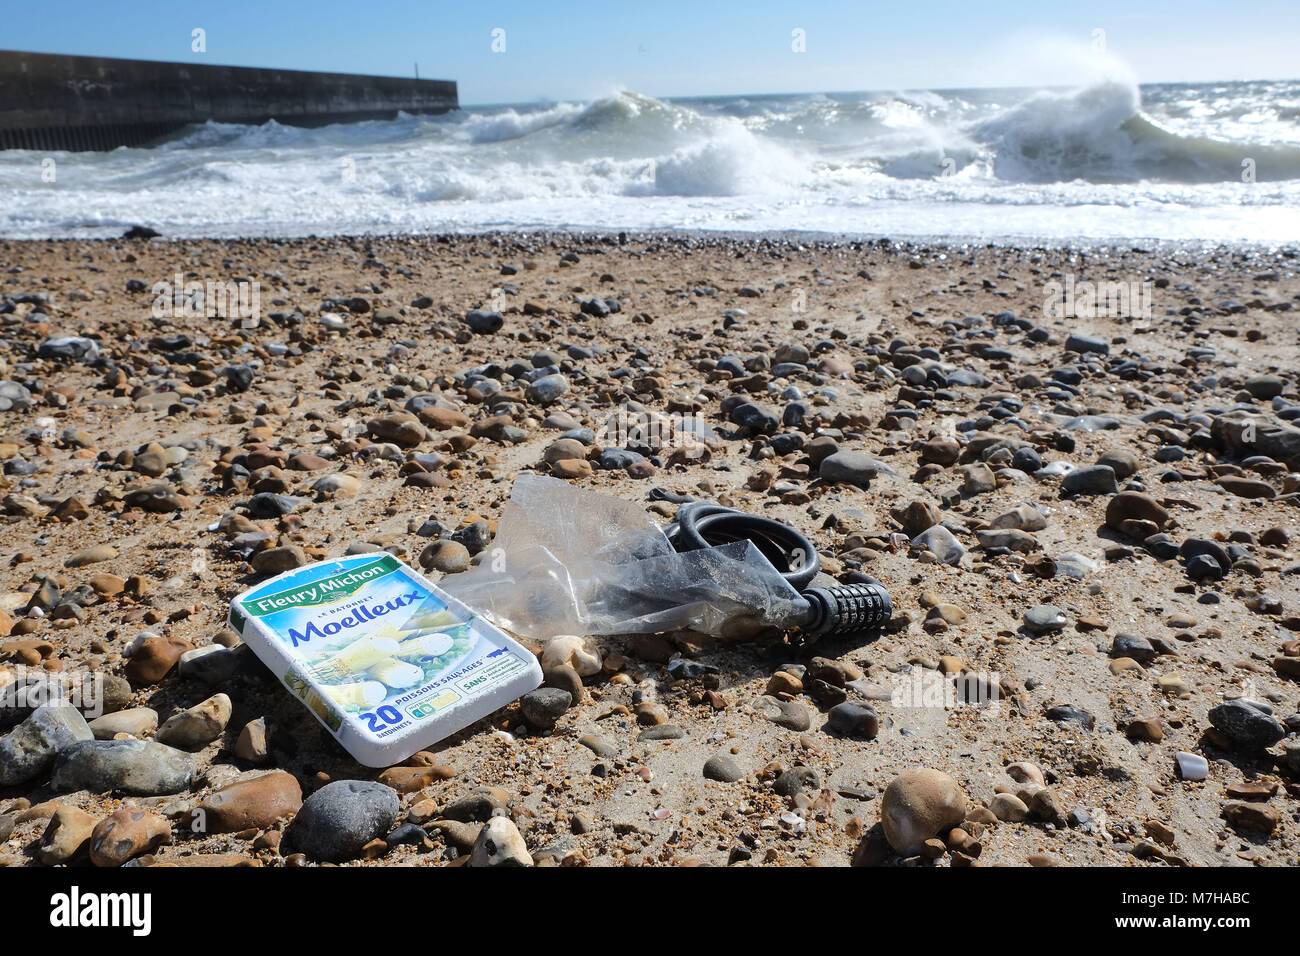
<point>388,662</point>
<point>566,560</point>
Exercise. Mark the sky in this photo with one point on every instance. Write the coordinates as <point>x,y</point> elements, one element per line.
<point>582,50</point>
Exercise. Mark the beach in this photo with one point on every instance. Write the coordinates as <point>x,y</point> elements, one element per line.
<point>141,422</point>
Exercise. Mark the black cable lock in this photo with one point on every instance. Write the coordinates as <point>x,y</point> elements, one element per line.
<point>842,609</point>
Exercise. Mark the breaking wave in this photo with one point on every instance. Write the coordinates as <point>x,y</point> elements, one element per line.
<point>836,162</point>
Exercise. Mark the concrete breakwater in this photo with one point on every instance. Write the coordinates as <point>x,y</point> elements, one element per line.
<point>52,101</point>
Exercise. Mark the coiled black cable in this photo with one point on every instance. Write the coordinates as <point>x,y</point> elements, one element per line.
<point>841,609</point>
<point>702,524</point>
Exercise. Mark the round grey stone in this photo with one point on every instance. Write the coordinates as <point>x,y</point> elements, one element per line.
<point>340,818</point>
<point>853,720</point>
<point>850,468</point>
<point>1246,725</point>
<point>723,769</point>
<point>942,542</point>
<point>544,706</point>
<point>1044,618</point>
<point>1134,646</point>
<point>1093,480</point>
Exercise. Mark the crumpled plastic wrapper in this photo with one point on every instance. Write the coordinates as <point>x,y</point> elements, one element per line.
<point>567,560</point>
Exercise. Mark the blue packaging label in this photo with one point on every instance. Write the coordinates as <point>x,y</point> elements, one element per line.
<point>372,645</point>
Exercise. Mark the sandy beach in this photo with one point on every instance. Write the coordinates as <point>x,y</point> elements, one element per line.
<point>134,441</point>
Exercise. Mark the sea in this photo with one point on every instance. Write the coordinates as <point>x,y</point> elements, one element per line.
<point>1109,162</point>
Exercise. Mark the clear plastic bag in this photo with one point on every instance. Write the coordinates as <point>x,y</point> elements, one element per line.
<point>566,560</point>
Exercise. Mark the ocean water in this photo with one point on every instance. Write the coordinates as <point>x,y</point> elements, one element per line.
<point>1110,161</point>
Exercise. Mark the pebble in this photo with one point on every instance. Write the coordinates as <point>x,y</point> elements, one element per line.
<point>1026,460</point>
<point>135,722</point>
<point>410,779</point>
<point>1174,685</point>
<point>918,804</point>
<point>1069,714</point>
<point>1259,818</point>
<point>269,505</point>
<point>1044,619</point>
<point>942,543</point>
<point>1250,488</point>
<point>1025,772</point>
<point>213,665</point>
<point>100,552</point>
<point>66,836</point>
<point>1093,480</point>
<point>154,658</point>
<point>569,468</point>
<point>547,390</point>
<point>572,651</point>
<point>649,713</point>
<point>853,720</point>
<point>251,804</point>
<point>280,559</point>
<point>949,613</point>
<point>796,780</point>
<point>598,745</point>
<point>1123,461</point>
<point>1291,756</point>
<point>789,714</point>
<point>564,449</point>
<point>484,321</point>
<point>1011,540</point>
<point>338,485</point>
<point>1245,725</point>
<point>447,556</point>
<point>1132,646</point>
<point>662,732</point>
<point>917,516</point>
<point>475,807</point>
<point>1021,518</point>
<point>500,843</point>
<point>723,768</point>
<point>127,833</point>
<point>1009,808</point>
<point>107,585</point>
<point>408,834</point>
<point>1085,344</point>
<point>1264,387</point>
<point>142,768</point>
<point>341,817</point>
<point>1148,729</point>
<point>542,708</point>
<point>1204,559</point>
<point>1129,511</point>
<point>252,744</point>
<point>198,726</point>
<point>940,451</point>
<point>977,479</point>
<point>28,750</point>
<point>850,468</point>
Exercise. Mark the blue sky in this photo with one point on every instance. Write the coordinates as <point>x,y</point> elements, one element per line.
<point>566,50</point>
